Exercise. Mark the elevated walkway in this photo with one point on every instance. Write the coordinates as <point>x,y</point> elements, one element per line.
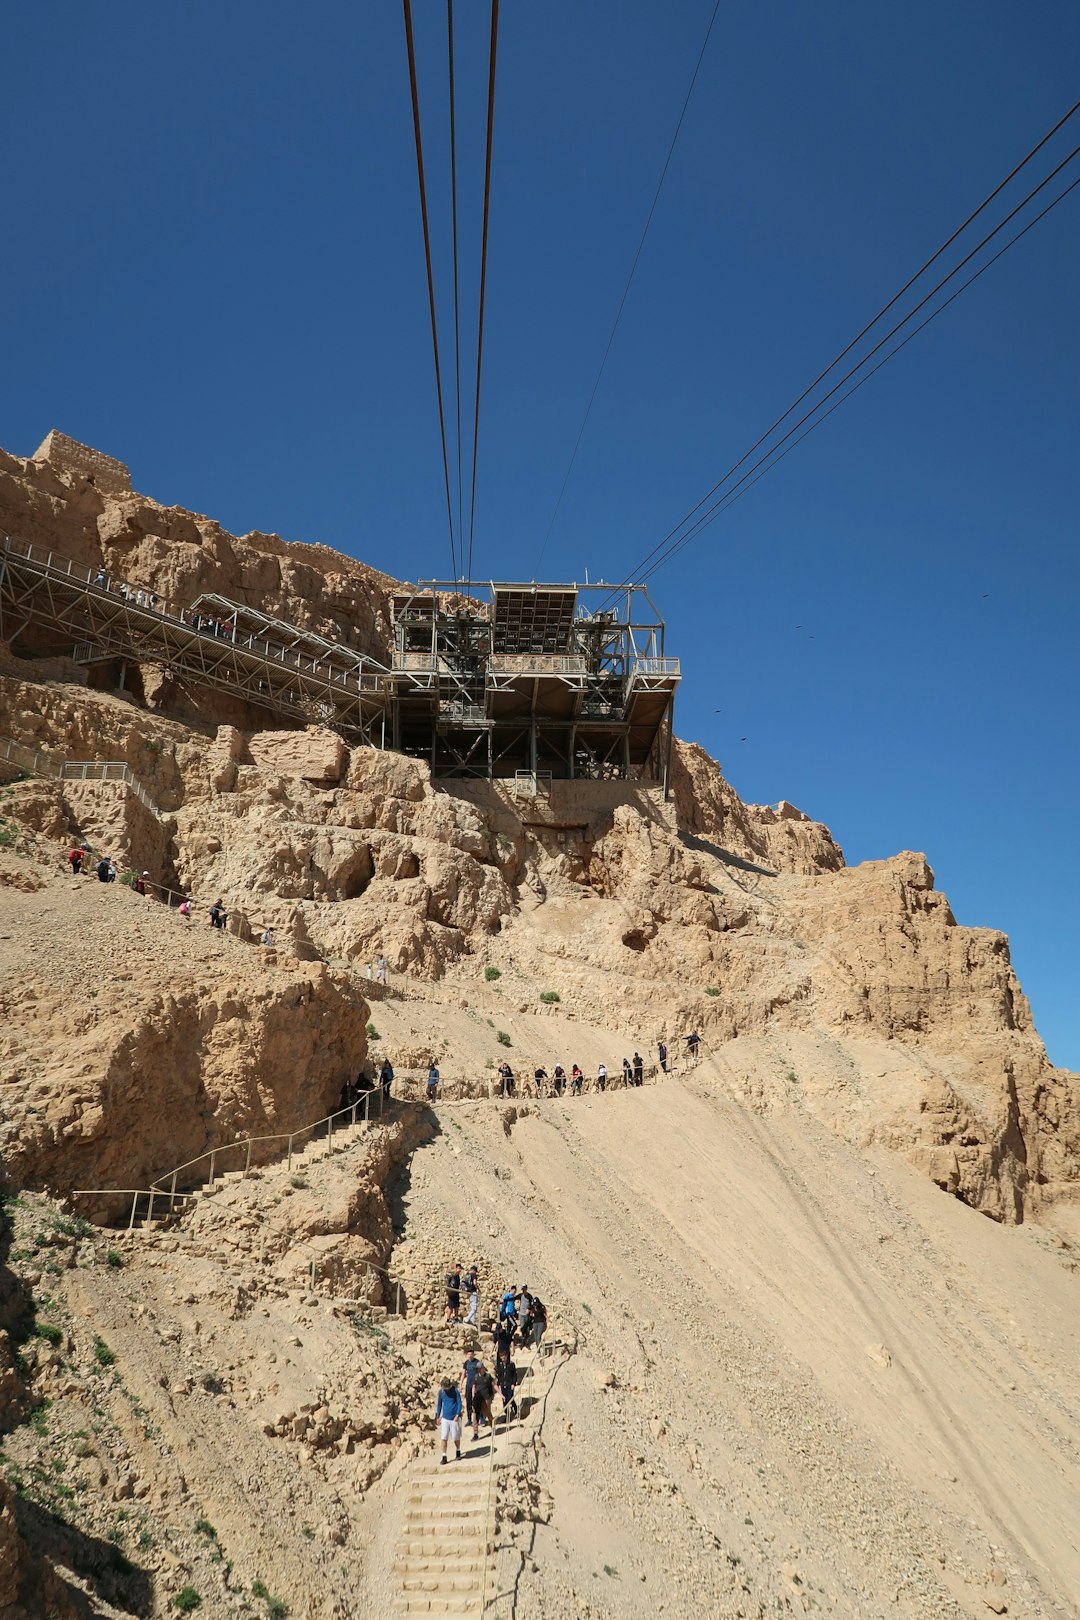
<point>101,620</point>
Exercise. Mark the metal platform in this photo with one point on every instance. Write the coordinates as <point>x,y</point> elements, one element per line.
<point>486,679</point>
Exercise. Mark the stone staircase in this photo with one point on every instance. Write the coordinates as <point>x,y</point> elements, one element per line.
<point>445,1541</point>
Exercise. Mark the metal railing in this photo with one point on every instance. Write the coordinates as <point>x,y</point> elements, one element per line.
<point>166,1189</point>
<point>654,666</point>
<point>38,763</point>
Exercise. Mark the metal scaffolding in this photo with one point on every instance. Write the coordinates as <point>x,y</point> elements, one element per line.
<point>486,679</point>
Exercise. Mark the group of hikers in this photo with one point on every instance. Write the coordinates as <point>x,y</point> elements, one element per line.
<point>520,1321</point>
<point>105,870</point>
<point>560,1084</point>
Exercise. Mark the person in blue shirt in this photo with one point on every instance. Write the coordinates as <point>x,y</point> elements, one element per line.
<point>448,1416</point>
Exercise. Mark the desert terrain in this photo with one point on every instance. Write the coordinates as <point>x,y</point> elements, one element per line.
<point>814,1301</point>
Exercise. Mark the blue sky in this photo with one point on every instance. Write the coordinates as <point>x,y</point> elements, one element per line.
<point>213,270</point>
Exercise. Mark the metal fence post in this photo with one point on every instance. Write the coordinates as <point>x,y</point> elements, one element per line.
<point>247,1165</point>
<point>289,1166</point>
<point>213,1158</point>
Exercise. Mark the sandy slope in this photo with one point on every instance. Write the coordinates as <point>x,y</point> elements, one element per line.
<point>835,1389</point>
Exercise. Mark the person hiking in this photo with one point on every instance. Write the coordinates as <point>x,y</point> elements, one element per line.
<point>539,1076</point>
<point>184,909</point>
<point>218,915</point>
<point>448,1416</point>
<point>506,1080</point>
<point>380,970</point>
<point>538,1318</point>
<point>433,1078</point>
<point>103,869</point>
<point>639,1069</point>
<point>577,1080</point>
<point>693,1041</point>
<point>453,1295</point>
<point>75,857</point>
<point>139,883</point>
<point>627,1073</point>
<point>524,1313</point>
<point>661,1052</point>
<point>560,1079</point>
<point>467,1382</point>
<point>386,1078</point>
<point>483,1395</point>
<point>601,1077</point>
<point>471,1286</point>
<point>506,1375</point>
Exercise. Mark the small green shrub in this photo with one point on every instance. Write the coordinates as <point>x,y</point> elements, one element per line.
<point>205,1528</point>
<point>39,1420</point>
<point>712,990</point>
<point>276,1609</point>
<point>372,1033</point>
<point>298,1182</point>
<point>186,1600</point>
<point>102,1354</point>
<point>114,1258</point>
<point>550,996</point>
<point>492,973</point>
<point>791,1077</point>
<point>503,1038</point>
<point>48,1331</point>
<point>259,1590</point>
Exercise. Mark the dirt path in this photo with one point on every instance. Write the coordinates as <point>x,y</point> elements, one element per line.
<point>794,1385</point>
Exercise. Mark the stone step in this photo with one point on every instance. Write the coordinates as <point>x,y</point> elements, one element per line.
<point>460,1603</point>
<point>467,1564</point>
<point>428,1527</point>
<point>440,1547</point>
<point>443,1583</point>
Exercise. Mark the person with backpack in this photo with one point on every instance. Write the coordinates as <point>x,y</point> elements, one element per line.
<point>693,1041</point>
<point>75,856</point>
<point>539,1076</point>
<point>448,1416</point>
<point>218,915</point>
<point>506,1375</point>
<point>139,883</point>
<point>467,1382</point>
<point>386,1078</point>
<point>538,1321</point>
<point>453,1295</point>
<point>470,1283</point>
<point>483,1395</point>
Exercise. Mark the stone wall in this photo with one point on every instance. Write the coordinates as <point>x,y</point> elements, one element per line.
<point>107,474</point>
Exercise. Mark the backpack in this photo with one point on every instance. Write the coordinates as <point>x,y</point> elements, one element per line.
<point>453,1281</point>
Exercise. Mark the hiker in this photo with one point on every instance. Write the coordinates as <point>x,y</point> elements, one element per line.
<point>483,1394</point>
<point>524,1312</point>
<point>469,1374</point>
<point>218,915</point>
<point>601,1077</point>
<point>99,577</point>
<point>267,938</point>
<point>506,1376</point>
<point>139,883</point>
<point>471,1284</point>
<point>185,910</point>
<point>560,1079</point>
<point>662,1054</point>
<point>639,1069</point>
<point>506,1080</point>
<point>103,869</point>
<point>75,857</point>
<point>386,1077</point>
<point>577,1080</point>
<point>693,1041</point>
<point>627,1072</point>
<point>538,1318</point>
<point>448,1416</point>
<point>433,1078</point>
<point>453,1295</point>
<point>539,1076</point>
<point>380,971</point>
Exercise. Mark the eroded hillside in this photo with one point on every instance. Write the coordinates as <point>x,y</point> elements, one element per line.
<point>792,1369</point>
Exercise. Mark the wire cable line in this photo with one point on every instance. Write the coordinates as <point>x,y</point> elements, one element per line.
<point>483,268</point>
<point>453,210</point>
<point>430,282</point>
<point>673,533</point>
<point>629,281</point>
<point>775,455</point>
